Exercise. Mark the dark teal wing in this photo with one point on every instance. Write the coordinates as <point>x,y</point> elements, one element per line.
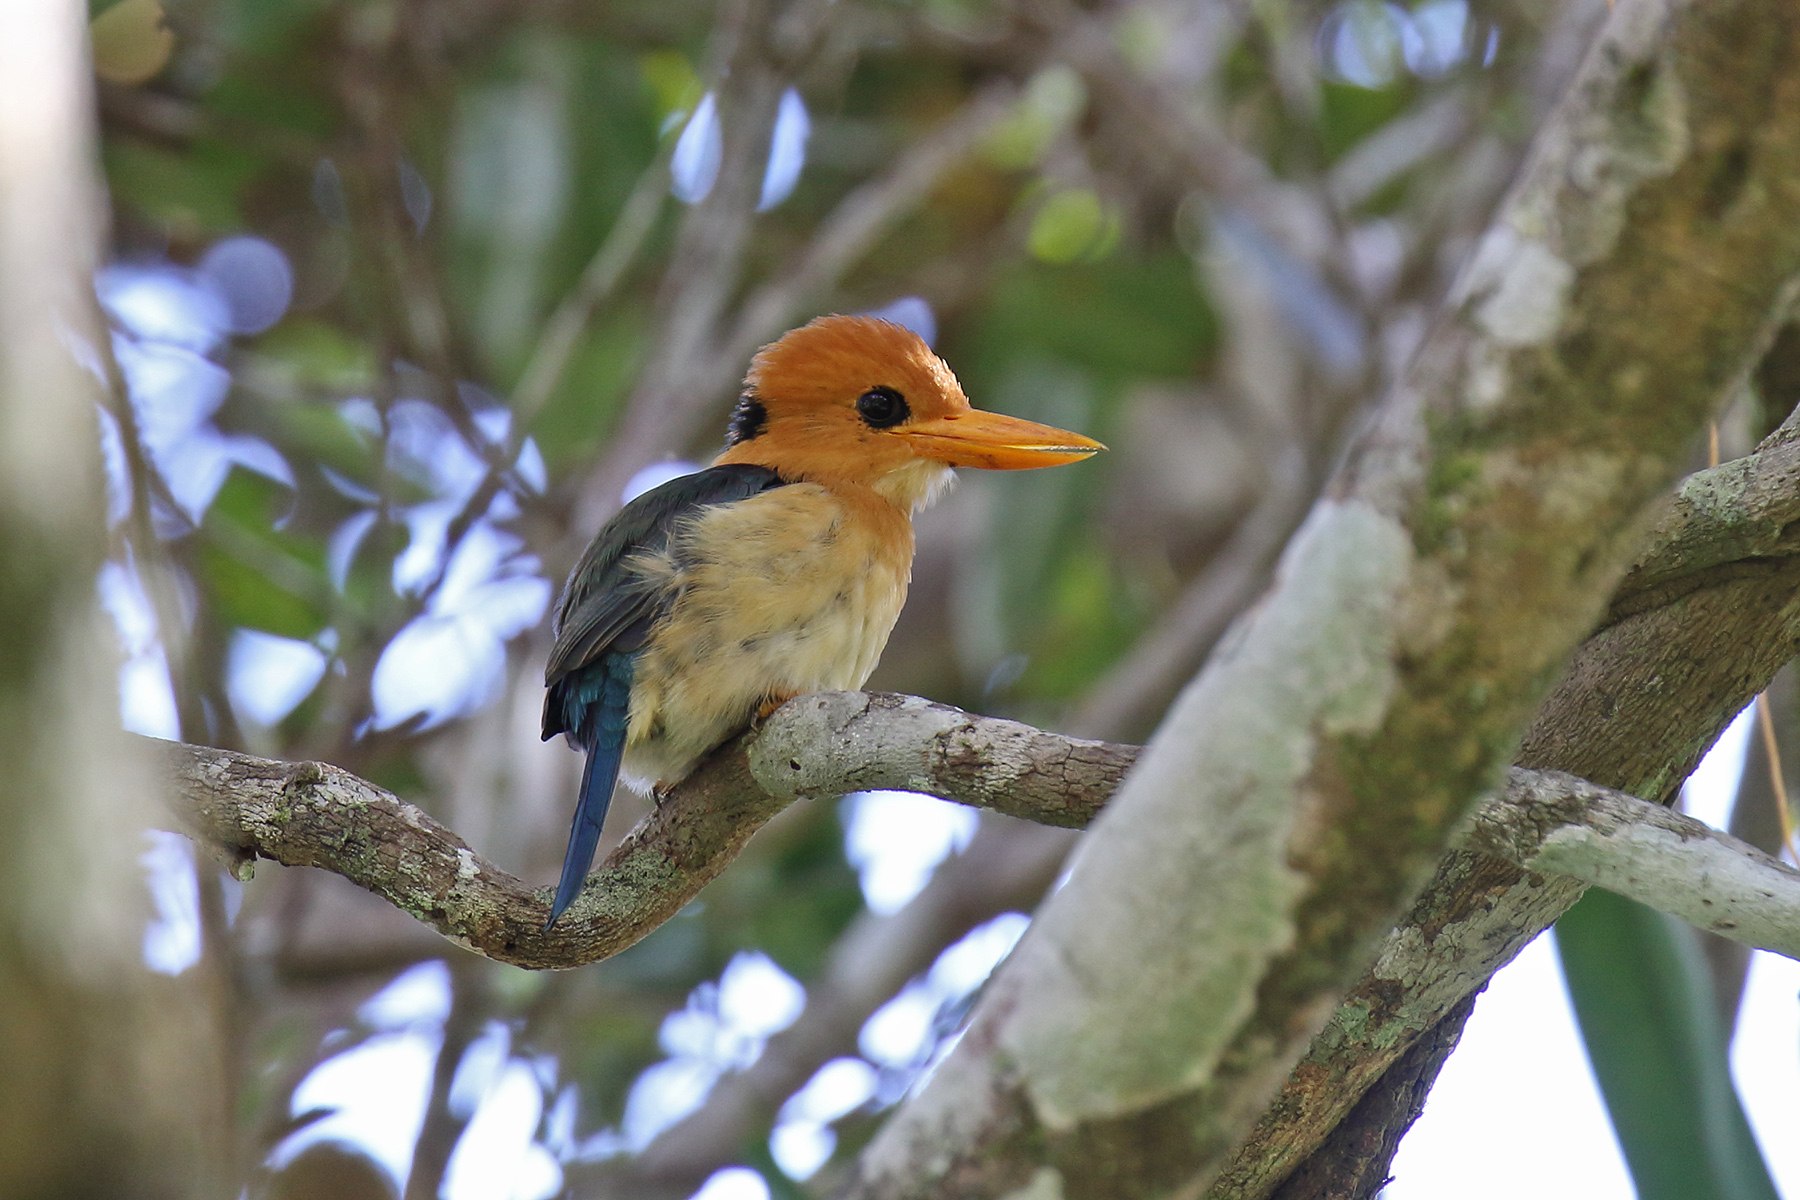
<point>605,614</point>
<point>604,607</point>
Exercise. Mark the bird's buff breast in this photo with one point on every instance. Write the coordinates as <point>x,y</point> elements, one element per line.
<point>788,592</point>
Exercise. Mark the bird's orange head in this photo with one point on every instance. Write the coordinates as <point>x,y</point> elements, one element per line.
<point>863,401</point>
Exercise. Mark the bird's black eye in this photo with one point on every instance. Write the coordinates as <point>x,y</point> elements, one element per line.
<point>882,407</point>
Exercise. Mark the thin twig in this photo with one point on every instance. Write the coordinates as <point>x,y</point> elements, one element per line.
<point>617,252</point>
<point>863,216</point>
<point>1777,781</point>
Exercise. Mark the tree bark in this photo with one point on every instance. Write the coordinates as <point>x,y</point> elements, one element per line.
<point>315,814</point>
<point>1640,704</point>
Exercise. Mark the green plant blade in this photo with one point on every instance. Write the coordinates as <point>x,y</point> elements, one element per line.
<point>1653,1033</point>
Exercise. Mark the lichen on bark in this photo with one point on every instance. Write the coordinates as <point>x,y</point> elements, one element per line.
<point>1252,753</point>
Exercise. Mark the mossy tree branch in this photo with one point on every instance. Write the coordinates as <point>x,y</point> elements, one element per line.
<point>318,815</point>
<point>1706,616</point>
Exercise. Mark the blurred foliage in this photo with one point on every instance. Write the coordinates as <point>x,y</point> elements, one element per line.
<point>443,181</point>
<point>1657,1043</point>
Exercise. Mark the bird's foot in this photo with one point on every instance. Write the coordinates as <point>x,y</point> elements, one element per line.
<point>770,705</point>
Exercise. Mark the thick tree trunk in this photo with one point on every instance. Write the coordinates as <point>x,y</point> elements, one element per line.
<point>1642,701</point>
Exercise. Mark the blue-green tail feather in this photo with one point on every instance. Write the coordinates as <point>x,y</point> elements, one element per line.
<point>597,704</point>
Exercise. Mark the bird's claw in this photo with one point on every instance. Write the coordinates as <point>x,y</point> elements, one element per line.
<point>770,705</point>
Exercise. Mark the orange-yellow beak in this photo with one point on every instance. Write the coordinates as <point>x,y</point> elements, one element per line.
<point>998,443</point>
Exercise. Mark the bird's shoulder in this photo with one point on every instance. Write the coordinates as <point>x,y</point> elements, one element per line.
<point>602,599</point>
<point>649,520</point>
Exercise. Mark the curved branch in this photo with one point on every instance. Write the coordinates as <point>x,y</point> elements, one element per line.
<point>318,815</point>
<point>825,745</point>
<point>1732,521</point>
<point>1558,824</point>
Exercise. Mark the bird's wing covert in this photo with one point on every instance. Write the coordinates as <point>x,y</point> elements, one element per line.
<point>603,602</point>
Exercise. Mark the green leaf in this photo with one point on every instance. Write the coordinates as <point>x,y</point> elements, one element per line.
<point>1072,226</point>
<point>1052,102</point>
<point>195,194</point>
<point>306,353</point>
<point>1658,1047</point>
<point>1348,114</point>
<point>259,577</point>
<point>1128,318</point>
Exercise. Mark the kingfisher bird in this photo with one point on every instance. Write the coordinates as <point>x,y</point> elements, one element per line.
<point>709,601</point>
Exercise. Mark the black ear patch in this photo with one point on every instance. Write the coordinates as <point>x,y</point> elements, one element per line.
<point>747,419</point>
